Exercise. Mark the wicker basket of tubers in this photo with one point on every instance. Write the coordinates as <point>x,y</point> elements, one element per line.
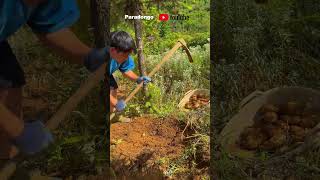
<point>272,121</point>
<point>195,99</point>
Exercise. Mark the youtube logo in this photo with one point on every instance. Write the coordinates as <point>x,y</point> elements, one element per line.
<point>164,17</point>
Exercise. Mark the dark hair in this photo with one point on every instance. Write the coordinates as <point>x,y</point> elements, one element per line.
<point>122,41</point>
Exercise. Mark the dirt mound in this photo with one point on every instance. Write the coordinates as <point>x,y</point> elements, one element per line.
<point>139,145</point>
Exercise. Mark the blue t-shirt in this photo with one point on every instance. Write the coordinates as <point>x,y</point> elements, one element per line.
<point>49,16</point>
<point>124,67</point>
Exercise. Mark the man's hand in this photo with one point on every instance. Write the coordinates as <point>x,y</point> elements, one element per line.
<point>120,105</point>
<point>95,58</point>
<point>145,80</point>
<point>34,138</point>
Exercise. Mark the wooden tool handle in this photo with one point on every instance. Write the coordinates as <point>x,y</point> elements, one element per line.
<point>75,99</point>
<point>156,69</point>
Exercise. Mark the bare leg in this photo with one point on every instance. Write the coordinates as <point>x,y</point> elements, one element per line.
<point>11,111</point>
<point>11,122</point>
<point>113,93</point>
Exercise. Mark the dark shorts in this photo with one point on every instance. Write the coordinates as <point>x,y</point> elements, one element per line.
<point>11,73</point>
<point>113,82</point>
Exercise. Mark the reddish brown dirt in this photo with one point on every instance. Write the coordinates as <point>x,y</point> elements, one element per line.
<point>139,144</point>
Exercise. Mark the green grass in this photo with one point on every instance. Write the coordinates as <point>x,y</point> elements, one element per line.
<point>261,47</point>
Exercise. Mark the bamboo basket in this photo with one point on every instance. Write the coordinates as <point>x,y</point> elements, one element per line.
<point>248,113</point>
<point>190,93</point>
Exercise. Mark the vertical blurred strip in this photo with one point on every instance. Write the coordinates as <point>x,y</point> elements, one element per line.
<point>100,22</point>
<point>212,59</point>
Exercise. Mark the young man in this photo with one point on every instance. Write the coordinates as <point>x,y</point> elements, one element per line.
<point>50,21</point>
<point>120,48</point>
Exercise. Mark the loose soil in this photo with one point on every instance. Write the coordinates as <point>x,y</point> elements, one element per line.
<point>138,146</point>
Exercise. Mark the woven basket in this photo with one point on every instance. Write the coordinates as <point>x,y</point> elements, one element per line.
<point>248,113</point>
<point>190,93</point>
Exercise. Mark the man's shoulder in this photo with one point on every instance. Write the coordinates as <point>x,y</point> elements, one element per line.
<point>60,6</point>
<point>130,58</point>
<point>10,7</point>
<point>129,61</point>
<point>13,14</point>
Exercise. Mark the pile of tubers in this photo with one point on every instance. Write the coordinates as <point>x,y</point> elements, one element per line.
<point>278,126</point>
<point>197,101</point>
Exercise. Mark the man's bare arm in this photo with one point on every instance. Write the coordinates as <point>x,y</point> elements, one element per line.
<point>113,100</point>
<point>131,75</point>
<point>66,43</point>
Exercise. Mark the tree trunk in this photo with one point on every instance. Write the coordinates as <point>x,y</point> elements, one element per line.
<point>138,33</point>
<point>100,22</point>
<point>101,28</point>
<point>137,27</point>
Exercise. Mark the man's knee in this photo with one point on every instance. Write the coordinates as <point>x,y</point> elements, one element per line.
<point>113,93</point>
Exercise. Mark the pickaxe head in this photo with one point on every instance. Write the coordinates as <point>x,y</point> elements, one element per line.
<point>184,46</point>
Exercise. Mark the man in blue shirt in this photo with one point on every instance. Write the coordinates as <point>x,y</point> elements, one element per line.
<point>50,21</point>
<point>120,48</point>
